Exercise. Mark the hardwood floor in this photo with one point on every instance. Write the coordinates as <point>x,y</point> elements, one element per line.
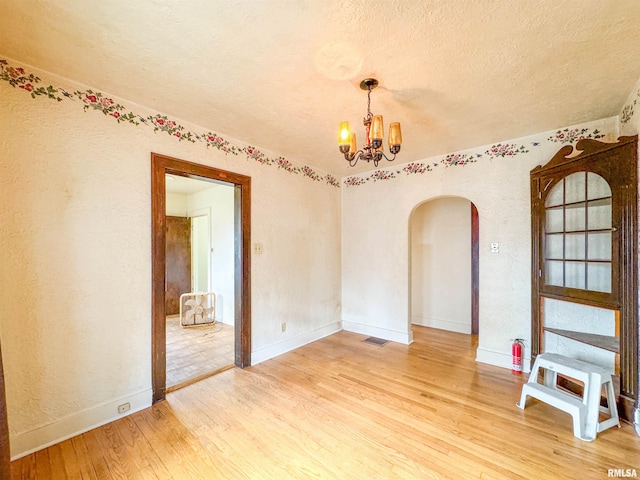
<point>343,409</point>
<point>193,352</point>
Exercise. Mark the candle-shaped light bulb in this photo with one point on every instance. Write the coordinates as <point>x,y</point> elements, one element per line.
<point>344,134</point>
<point>353,147</point>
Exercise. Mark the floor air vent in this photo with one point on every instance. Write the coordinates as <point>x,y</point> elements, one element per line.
<point>376,341</point>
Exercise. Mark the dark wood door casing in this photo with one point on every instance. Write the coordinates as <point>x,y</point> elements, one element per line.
<point>5,451</point>
<point>160,166</point>
<point>475,271</point>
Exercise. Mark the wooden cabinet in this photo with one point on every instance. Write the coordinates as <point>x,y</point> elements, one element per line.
<point>584,249</point>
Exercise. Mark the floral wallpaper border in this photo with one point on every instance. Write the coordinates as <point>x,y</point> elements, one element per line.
<point>628,111</point>
<point>92,100</point>
<point>498,150</point>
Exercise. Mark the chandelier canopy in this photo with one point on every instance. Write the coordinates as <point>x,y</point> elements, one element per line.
<point>374,131</point>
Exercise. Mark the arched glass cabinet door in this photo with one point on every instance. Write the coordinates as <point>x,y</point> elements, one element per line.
<point>577,238</point>
<point>584,248</point>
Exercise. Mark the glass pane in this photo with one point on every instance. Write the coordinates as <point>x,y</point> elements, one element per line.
<point>597,186</point>
<point>574,246</point>
<point>577,255</point>
<point>554,197</point>
<point>575,187</point>
<point>599,246</point>
<point>554,220</point>
<point>553,273</point>
<point>599,279</point>
<point>575,275</point>
<point>599,214</point>
<point>553,246</point>
<point>575,217</point>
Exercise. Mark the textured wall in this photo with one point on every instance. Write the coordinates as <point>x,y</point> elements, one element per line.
<point>375,231</point>
<point>218,202</point>
<point>75,272</point>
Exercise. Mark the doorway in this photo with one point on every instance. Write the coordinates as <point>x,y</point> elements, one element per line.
<point>199,292</point>
<point>444,265</point>
<point>161,166</point>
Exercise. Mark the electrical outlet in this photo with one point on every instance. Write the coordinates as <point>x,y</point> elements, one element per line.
<point>284,326</point>
<point>124,407</point>
<point>257,248</point>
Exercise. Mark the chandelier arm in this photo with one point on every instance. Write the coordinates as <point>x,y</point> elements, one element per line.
<point>353,158</point>
<point>387,158</point>
<point>366,154</point>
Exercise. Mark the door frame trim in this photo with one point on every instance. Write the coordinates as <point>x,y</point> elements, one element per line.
<point>160,166</point>
<point>475,271</point>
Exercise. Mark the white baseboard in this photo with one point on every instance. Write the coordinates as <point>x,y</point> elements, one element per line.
<point>271,351</point>
<point>442,324</point>
<point>42,437</point>
<point>500,359</point>
<point>371,331</point>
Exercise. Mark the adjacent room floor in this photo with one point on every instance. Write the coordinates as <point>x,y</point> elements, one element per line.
<point>196,351</point>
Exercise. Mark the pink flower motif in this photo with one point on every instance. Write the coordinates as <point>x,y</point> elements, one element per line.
<point>20,71</point>
<point>106,102</point>
<point>92,98</point>
<point>13,73</point>
<point>159,121</point>
<point>177,134</point>
<point>561,136</point>
<point>115,114</point>
<point>171,125</point>
<point>211,138</point>
<point>28,87</point>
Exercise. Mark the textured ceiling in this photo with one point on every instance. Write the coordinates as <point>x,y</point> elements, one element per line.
<point>281,74</point>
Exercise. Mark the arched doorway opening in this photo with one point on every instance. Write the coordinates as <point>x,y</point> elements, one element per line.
<point>444,265</point>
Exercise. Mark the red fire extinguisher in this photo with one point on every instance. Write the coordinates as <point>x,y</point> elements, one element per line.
<point>517,347</point>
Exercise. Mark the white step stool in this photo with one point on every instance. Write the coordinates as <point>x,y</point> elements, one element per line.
<point>586,410</point>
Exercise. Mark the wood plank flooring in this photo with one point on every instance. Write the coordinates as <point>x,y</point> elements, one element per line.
<point>343,409</point>
<point>196,351</point>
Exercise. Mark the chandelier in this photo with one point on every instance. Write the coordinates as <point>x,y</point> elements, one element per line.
<point>372,150</point>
